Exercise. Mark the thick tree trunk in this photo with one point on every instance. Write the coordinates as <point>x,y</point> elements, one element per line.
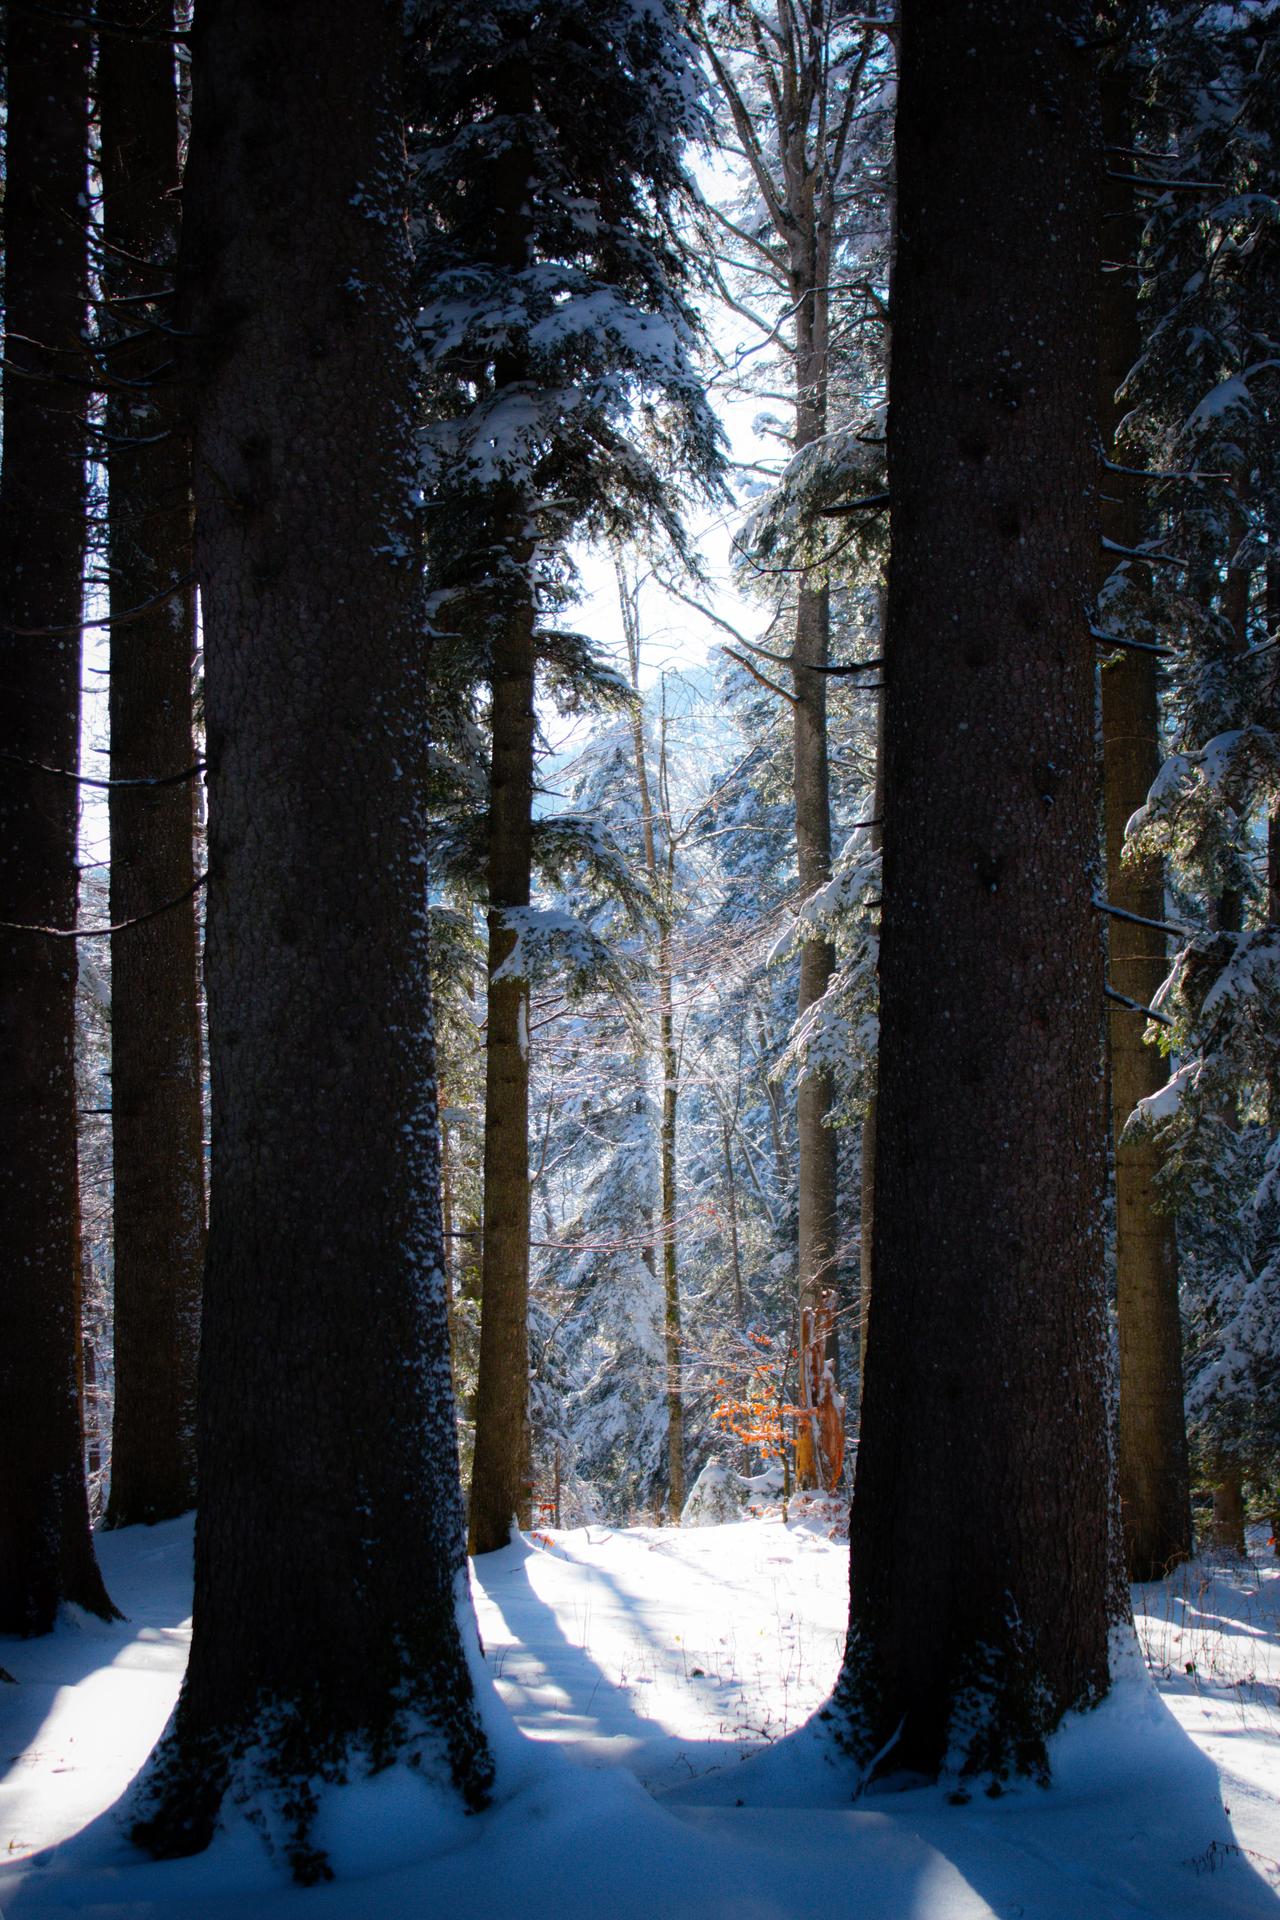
<point>46,1554</point>
<point>157,1122</point>
<point>500,1476</point>
<point>982,1578</point>
<point>1155,1488</point>
<point>329,1547</point>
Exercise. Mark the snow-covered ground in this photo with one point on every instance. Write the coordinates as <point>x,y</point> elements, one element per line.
<point>664,1680</point>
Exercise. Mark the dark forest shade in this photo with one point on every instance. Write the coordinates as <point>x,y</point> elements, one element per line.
<point>983,1561</point>
<point>329,1543</point>
<point>156,1119</point>
<point>46,1554</point>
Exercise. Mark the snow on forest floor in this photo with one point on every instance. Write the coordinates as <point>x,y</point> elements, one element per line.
<point>664,1680</point>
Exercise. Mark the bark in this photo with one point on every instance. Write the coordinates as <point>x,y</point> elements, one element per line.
<point>157,1120</point>
<point>1155,1488</point>
<point>661,877</point>
<point>1227,1533</point>
<point>46,1553</point>
<point>867,1195</point>
<point>815,1141</point>
<point>329,1547</point>
<point>672,1331</point>
<point>1273,838</point>
<point>500,1476</point>
<point>982,1579</point>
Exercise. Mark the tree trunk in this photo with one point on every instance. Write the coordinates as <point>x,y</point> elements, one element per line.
<point>1155,1487</point>
<point>670,1248</point>
<point>1227,1534</point>
<point>867,1194</point>
<point>329,1548</point>
<point>500,1476</point>
<point>46,1552</point>
<point>815,1141</point>
<point>156,1111</point>
<point>982,1578</point>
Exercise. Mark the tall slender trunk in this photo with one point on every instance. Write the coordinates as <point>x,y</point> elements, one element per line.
<point>500,1476</point>
<point>327,1638</point>
<point>815,1141</point>
<point>156,1108</point>
<point>1154,1475</point>
<point>46,1553</point>
<point>661,876</point>
<point>735,1256</point>
<point>982,1580</point>
<point>670,1249</point>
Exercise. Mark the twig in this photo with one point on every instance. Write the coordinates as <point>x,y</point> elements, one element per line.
<point>85,780</point>
<point>1136,1006</point>
<point>96,933</point>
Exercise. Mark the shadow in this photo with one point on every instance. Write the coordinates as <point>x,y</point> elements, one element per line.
<point>47,1781</point>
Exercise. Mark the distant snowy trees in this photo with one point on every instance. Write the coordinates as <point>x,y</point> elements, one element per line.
<point>554,335</point>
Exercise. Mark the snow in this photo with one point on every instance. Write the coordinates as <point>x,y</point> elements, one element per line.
<point>650,1696</point>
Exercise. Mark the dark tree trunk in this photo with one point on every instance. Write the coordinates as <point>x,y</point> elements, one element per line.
<point>983,1581</point>
<point>502,1470</point>
<point>46,1552</point>
<point>1155,1487</point>
<point>156,1123</point>
<point>815,1140</point>
<point>500,1476</point>
<point>329,1544</point>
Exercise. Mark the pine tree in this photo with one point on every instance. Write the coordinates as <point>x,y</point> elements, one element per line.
<point>1152,1444</point>
<point>156,1106</point>
<point>983,1577</point>
<point>327,1630</point>
<point>46,1554</point>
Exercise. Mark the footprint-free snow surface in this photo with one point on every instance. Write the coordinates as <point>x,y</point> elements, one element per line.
<point>651,1714</point>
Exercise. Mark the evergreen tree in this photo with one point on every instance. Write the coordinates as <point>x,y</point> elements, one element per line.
<point>983,1576</point>
<point>1152,1446</point>
<point>46,1554</point>
<point>156,1105</point>
<point>328,1637</point>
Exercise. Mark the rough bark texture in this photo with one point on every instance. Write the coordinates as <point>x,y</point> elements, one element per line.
<point>156,1118</point>
<point>500,1476</point>
<point>329,1545</point>
<point>46,1554</point>
<point>1155,1487</point>
<point>982,1580</point>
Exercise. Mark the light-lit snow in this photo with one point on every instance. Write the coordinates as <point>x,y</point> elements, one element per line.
<point>650,1710</point>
